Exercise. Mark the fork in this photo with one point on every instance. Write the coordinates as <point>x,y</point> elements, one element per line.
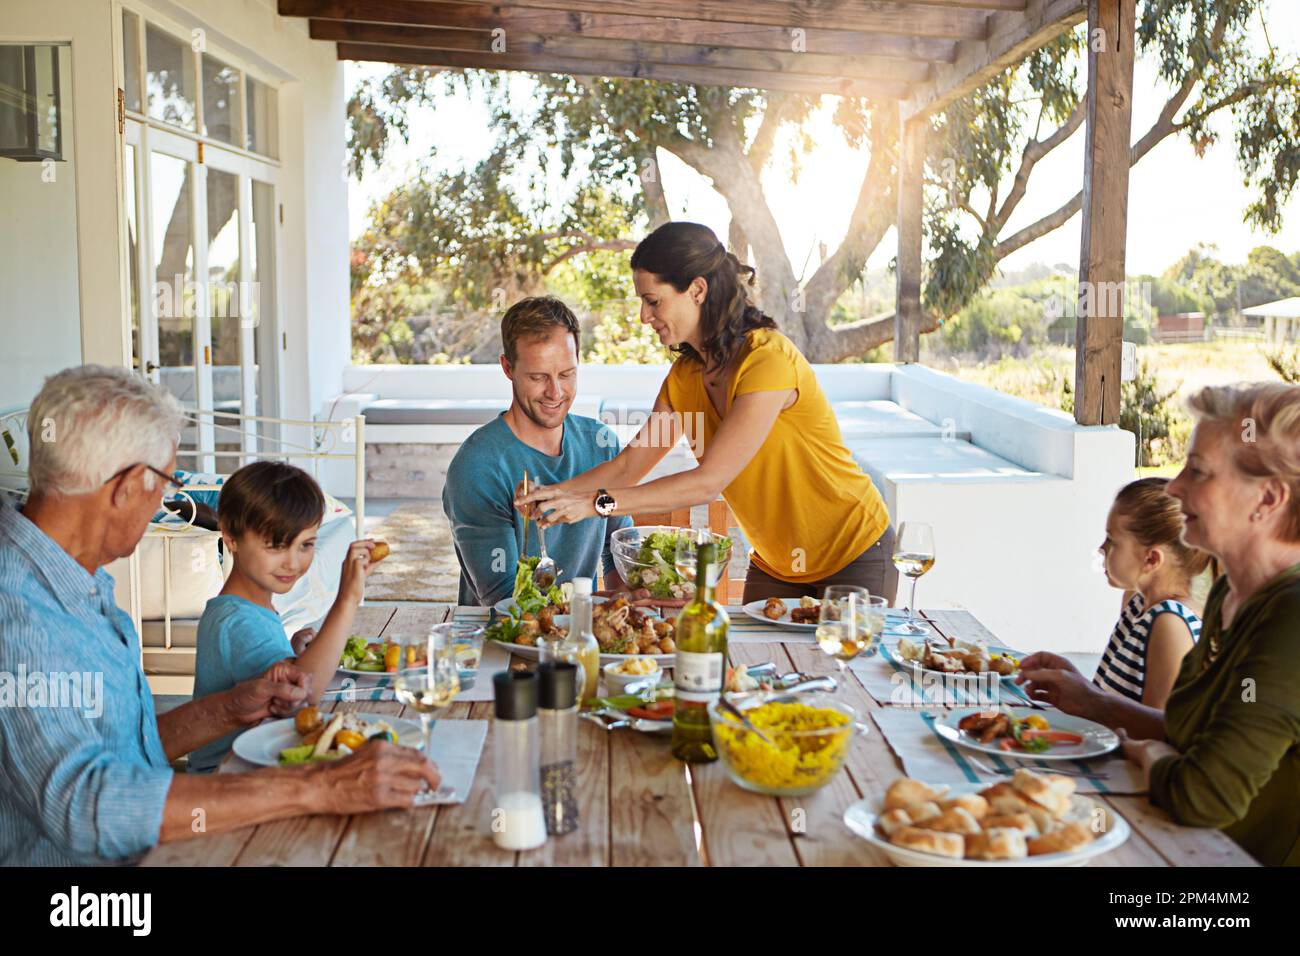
<point>985,768</point>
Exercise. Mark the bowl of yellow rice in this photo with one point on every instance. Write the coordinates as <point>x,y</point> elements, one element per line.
<point>809,733</point>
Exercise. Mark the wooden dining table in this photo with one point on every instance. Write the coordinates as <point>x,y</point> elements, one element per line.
<point>641,807</point>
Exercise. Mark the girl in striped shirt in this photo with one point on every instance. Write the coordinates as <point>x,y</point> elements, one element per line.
<point>1146,557</point>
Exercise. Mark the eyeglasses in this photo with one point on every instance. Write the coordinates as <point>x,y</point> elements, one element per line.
<point>167,479</point>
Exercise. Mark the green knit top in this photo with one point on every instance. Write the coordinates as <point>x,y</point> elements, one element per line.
<point>1234,717</point>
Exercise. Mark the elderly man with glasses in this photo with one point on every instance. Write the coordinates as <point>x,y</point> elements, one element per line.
<point>86,782</point>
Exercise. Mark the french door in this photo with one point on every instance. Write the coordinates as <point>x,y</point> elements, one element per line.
<point>202,237</point>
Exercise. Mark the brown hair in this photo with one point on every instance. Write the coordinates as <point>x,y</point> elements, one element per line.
<point>536,316</point>
<point>270,498</point>
<point>1269,412</point>
<point>1151,516</point>
<point>680,252</point>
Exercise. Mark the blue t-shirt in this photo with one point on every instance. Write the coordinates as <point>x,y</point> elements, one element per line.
<point>488,530</point>
<point>237,640</point>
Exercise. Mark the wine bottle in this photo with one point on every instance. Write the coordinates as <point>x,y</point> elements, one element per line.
<point>700,663</point>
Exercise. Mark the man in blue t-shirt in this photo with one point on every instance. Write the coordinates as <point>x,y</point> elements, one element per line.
<point>539,338</point>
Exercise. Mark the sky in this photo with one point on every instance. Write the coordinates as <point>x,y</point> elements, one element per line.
<point>1176,199</point>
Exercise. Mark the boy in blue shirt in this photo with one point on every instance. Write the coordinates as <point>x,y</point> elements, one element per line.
<point>270,513</point>
<point>536,434</point>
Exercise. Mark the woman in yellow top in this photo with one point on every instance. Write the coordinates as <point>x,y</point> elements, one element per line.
<point>762,431</point>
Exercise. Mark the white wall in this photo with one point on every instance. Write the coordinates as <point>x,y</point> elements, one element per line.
<point>313,191</point>
<point>40,311</point>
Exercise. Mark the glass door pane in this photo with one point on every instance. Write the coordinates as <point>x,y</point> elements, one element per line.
<point>132,255</point>
<point>174,306</point>
<point>261,248</point>
<point>224,307</point>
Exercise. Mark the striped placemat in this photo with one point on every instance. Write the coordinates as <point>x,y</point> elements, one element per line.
<point>933,759</point>
<point>890,680</point>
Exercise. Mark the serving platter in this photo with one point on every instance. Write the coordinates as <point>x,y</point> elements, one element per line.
<point>861,818</point>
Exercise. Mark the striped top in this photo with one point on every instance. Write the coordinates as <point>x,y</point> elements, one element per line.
<point>83,774</point>
<point>1123,665</point>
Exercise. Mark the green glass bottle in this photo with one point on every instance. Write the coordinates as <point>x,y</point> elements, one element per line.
<point>701,663</point>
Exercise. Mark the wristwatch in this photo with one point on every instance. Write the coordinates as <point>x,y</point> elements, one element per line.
<point>605,503</point>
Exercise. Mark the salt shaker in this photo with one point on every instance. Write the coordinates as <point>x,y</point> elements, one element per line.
<point>517,819</point>
<point>557,723</point>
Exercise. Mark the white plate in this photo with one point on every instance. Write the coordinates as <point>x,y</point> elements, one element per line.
<point>507,605</point>
<point>1097,740</point>
<point>860,817</point>
<point>890,650</point>
<point>755,610</point>
<point>468,663</point>
<point>262,744</point>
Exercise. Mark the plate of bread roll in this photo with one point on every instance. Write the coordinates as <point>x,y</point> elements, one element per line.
<point>1032,819</point>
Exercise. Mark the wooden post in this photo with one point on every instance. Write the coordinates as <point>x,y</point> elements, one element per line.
<point>1100,330</point>
<point>911,207</point>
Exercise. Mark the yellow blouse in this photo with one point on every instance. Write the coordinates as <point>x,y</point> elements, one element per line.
<point>803,502</point>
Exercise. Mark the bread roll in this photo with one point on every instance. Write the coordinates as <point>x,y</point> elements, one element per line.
<point>1042,791</point>
<point>1005,799</point>
<point>891,821</point>
<point>922,811</point>
<point>1066,837</point>
<point>930,841</point>
<point>1011,821</point>
<point>972,803</point>
<point>952,820</point>
<point>905,791</point>
<point>997,843</point>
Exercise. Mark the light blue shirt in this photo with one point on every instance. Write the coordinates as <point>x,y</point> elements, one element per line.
<point>488,530</point>
<point>83,775</point>
<point>237,640</point>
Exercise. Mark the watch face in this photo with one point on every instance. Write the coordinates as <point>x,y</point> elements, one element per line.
<point>604,503</point>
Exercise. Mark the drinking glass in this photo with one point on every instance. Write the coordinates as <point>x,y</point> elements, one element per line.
<point>428,676</point>
<point>913,556</point>
<point>844,624</point>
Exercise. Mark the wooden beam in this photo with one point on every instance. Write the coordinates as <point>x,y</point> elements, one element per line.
<point>911,212</point>
<point>617,26</point>
<point>665,73</point>
<point>629,51</point>
<point>866,16</point>
<point>1098,341</point>
<point>1011,37</point>
<point>861,16</point>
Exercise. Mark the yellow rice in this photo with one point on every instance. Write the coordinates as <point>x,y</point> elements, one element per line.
<point>806,760</point>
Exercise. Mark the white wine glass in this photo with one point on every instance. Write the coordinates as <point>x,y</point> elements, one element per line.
<point>913,556</point>
<point>428,676</point>
<point>843,623</point>
<point>684,561</point>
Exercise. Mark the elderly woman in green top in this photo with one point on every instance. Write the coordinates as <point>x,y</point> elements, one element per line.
<point>1226,751</point>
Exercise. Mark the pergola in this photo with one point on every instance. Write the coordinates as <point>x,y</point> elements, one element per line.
<point>924,54</point>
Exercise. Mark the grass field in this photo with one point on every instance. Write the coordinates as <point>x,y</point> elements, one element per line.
<point>1040,377</point>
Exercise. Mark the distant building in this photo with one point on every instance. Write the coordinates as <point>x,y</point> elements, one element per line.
<point>1281,319</point>
<point>1180,327</point>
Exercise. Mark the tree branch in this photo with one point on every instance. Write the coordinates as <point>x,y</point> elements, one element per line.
<point>1035,150</point>
<point>873,214</point>
<point>589,243</point>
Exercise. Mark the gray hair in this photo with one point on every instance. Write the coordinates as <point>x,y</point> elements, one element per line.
<point>91,421</point>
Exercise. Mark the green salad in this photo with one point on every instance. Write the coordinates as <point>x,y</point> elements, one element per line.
<point>659,550</point>
<point>528,597</point>
<point>361,655</point>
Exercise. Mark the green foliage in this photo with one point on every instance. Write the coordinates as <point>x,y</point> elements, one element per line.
<point>1265,276</point>
<point>1001,319</point>
<point>1152,414</point>
<point>620,339</point>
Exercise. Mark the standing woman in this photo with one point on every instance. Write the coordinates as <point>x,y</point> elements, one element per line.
<point>768,443</point>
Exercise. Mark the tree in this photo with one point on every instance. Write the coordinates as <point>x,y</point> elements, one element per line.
<point>607,134</point>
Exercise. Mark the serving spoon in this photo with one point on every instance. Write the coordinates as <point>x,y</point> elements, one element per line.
<point>545,573</point>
